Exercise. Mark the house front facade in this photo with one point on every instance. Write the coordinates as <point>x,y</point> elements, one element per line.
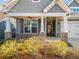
<point>2,25</point>
<point>42,17</point>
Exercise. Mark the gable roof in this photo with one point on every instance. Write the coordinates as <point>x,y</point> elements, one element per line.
<point>56,9</point>
<point>72,1</point>
<point>9,5</point>
<point>69,2</point>
<point>60,3</point>
<point>12,3</point>
<point>77,1</point>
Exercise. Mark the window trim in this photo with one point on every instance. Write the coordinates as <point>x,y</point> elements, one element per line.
<point>74,8</point>
<point>35,1</point>
<point>29,26</point>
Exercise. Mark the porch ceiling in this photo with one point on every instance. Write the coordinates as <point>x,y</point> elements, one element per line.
<point>2,16</point>
<point>36,17</point>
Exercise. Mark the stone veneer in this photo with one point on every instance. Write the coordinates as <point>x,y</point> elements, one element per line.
<point>24,35</point>
<point>8,35</point>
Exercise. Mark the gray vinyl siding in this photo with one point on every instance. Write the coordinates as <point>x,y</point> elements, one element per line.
<point>74,4</point>
<point>56,9</point>
<point>27,6</point>
<point>73,19</point>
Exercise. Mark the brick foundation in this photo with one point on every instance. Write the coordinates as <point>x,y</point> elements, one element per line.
<point>42,34</point>
<point>65,36</point>
<point>24,35</point>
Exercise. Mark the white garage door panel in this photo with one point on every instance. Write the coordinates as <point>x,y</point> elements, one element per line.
<point>73,27</point>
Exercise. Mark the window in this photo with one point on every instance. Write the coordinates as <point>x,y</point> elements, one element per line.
<point>35,1</point>
<point>27,26</point>
<point>34,26</point>
<point>30,26</point>
<point>68,2</point>
<point>75,9</point>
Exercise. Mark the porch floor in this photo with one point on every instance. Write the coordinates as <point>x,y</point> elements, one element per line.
<point>74,42</point>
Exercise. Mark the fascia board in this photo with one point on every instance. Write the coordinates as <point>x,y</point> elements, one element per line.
<point>49,6</point>
<point>10,5</point>
<point>77,1</point>
<point>64,6</point>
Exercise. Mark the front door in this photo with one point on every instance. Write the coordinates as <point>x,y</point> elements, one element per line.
<point>51,28</point>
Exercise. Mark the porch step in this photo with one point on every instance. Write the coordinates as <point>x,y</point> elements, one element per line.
<point>53,38</point>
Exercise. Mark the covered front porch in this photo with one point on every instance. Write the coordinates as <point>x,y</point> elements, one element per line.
<point>43,25</point>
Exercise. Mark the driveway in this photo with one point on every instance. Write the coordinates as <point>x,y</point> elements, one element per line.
<point>74,42</point>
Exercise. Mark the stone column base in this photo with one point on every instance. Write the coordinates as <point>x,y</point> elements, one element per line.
<point>42,34</point>
<point>65,36</point>
<point>8,35</point>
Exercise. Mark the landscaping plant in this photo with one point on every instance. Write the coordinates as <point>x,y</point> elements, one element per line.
<point>33,48</point>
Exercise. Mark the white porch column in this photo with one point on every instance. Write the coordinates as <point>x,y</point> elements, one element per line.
<point>65,23</point>
<point>8,28</point>
<point>42,25</point>
<point>65,28</point>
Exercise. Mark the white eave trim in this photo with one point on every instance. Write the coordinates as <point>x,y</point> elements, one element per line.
<point>35,1</point>
<point>65,7</point>
<point>49,6</point>
<point>60,2</point>
<point>10,5</point>
<point>36,14</point>
<point>77,1</point>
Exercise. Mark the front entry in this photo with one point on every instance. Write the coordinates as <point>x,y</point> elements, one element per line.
<point>51,28</point>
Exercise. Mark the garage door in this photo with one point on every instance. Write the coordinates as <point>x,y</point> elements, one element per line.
<point>73,28</point>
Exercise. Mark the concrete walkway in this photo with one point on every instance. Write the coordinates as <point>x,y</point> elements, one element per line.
<point>53,38</point>
<point>74,42</point>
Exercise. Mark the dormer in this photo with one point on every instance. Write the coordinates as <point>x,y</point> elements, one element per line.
<point>60,3</point>
<point>73,4</point>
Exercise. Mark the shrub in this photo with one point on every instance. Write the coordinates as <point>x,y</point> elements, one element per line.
<point>60,47</point>
<point>73,53</point>
<point>8,48</point>
<point>34,47</point>
<point>57,48</point>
